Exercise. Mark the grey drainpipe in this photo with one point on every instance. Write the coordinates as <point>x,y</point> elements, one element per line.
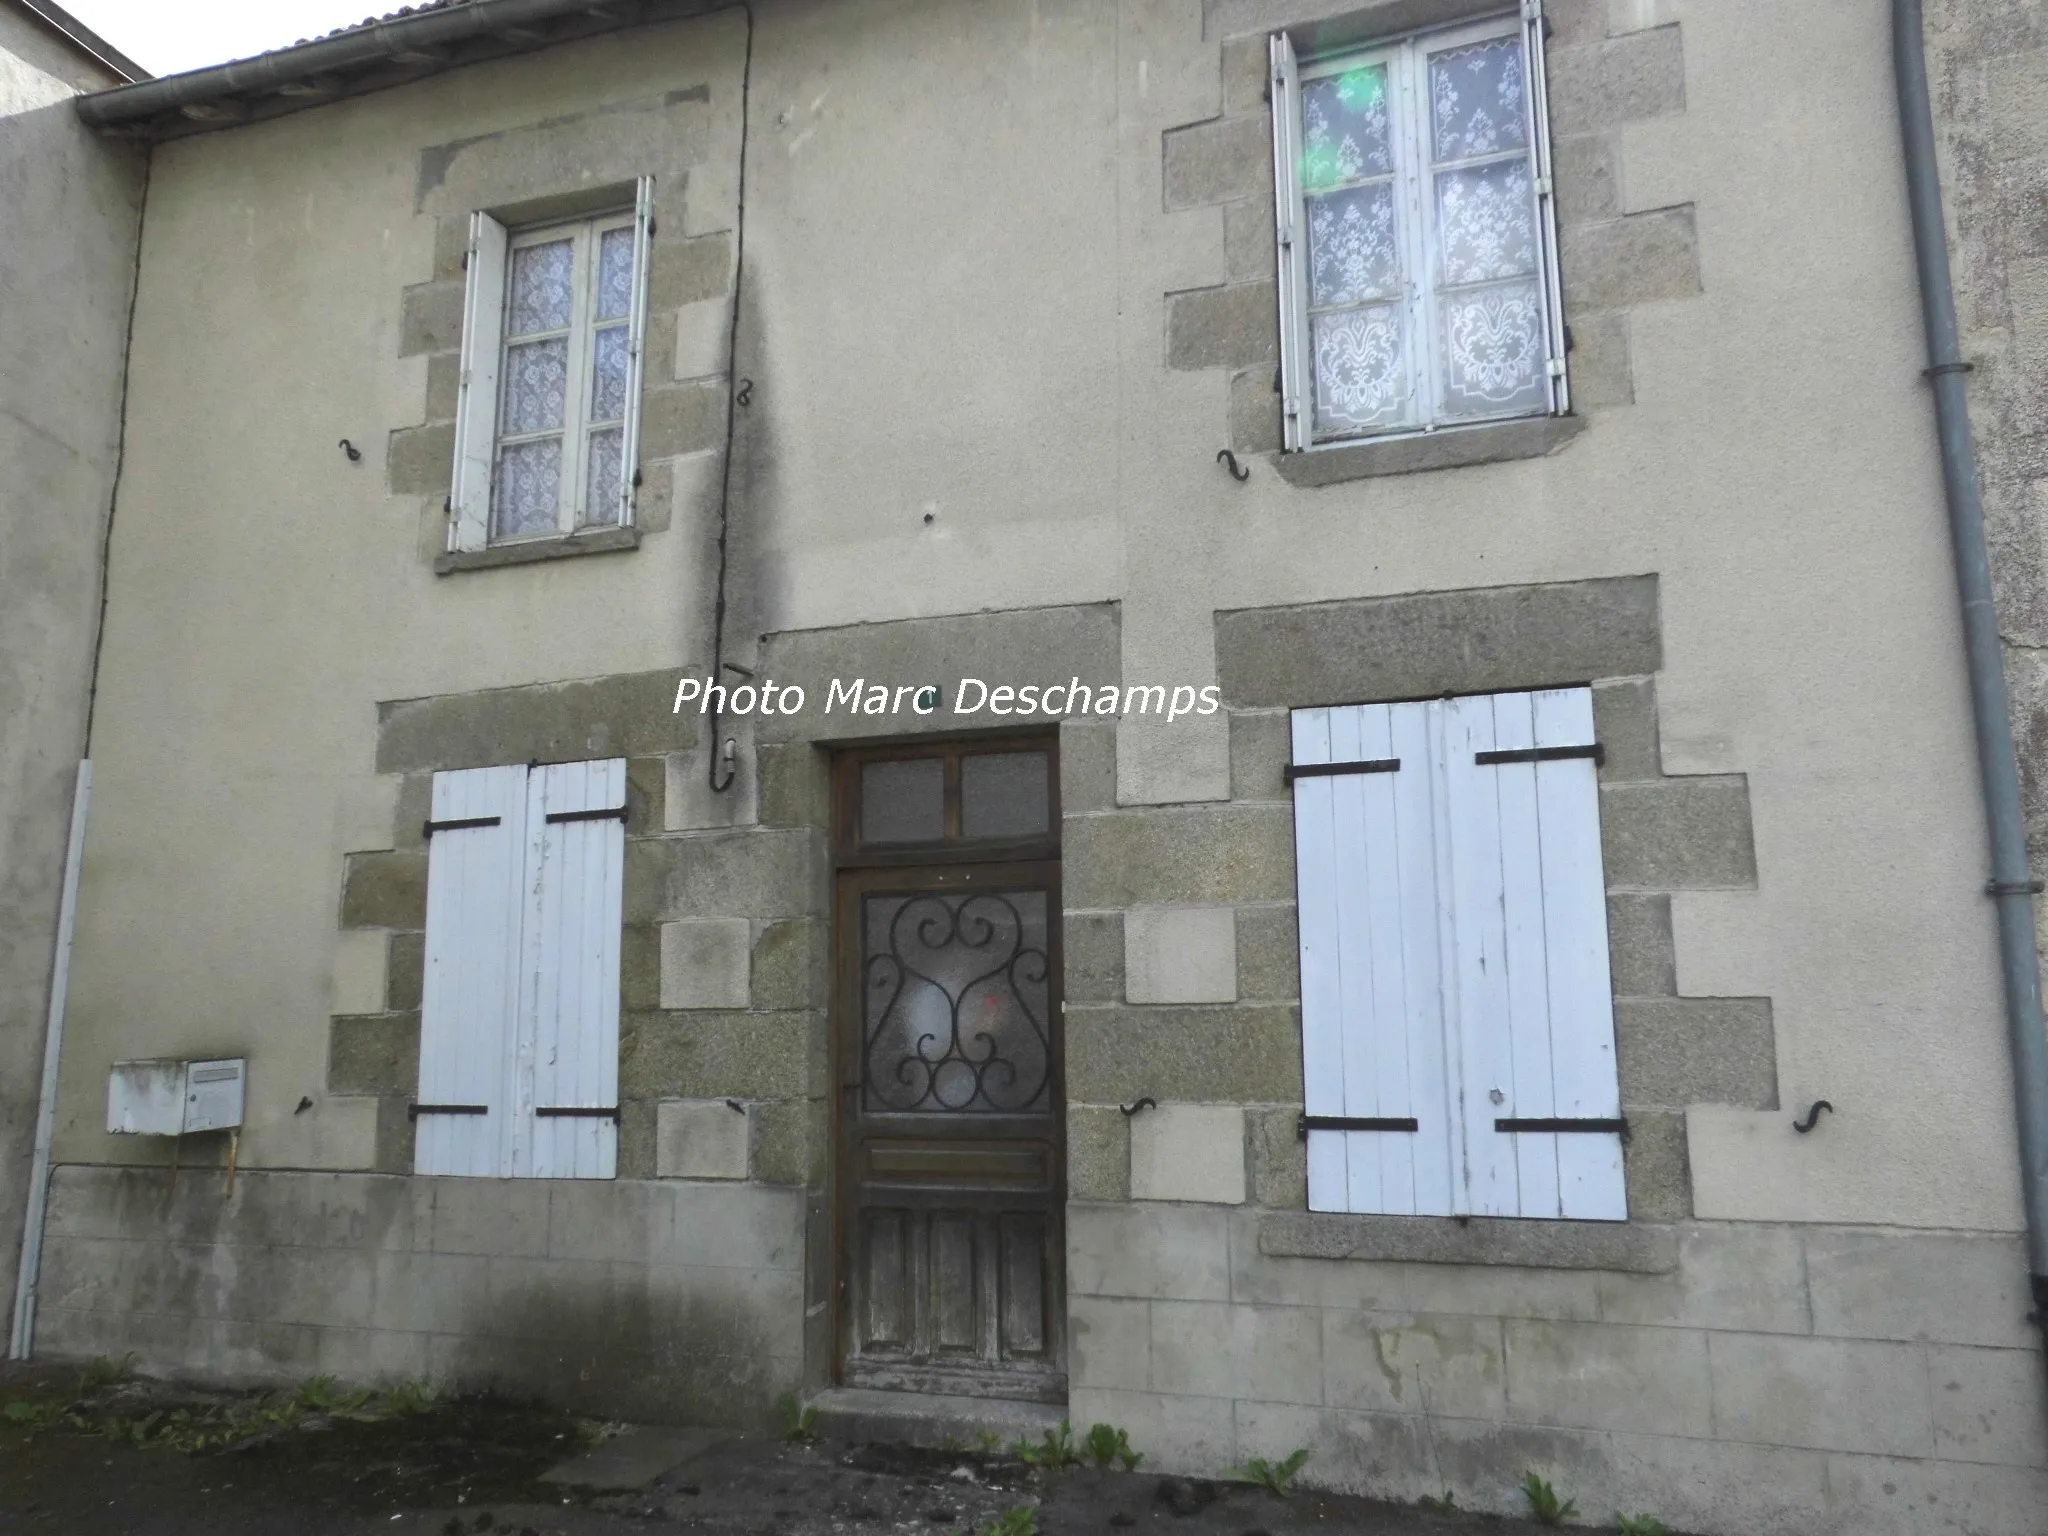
<point>2012,885</point>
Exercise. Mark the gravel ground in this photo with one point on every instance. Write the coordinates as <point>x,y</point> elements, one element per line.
<point>453,1467</point>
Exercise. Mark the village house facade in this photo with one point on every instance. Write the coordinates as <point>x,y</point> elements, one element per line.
<point>1497,433</point>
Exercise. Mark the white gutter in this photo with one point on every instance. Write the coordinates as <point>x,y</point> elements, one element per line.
<point>22,1339</point>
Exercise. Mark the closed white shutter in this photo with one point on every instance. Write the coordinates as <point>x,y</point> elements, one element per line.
<point>1372,1015</point>
<point>469,993</point>
<point>636,354</point>
<point>476,409</point>
<point>1454,958</point>
<point>569,977</point>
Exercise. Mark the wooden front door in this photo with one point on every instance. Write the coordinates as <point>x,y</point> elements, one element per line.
<point>951,1164</point>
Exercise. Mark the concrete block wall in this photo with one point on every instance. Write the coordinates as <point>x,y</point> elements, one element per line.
<point>1988,68</point>
<point>1750,1378</point>
<point>664,1300</point>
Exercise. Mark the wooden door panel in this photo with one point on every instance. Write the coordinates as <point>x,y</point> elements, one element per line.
<point>951,1120</point>
<point>885,1293</point>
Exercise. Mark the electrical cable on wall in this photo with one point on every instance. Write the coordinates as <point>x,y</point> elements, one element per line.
<point>732,401</point>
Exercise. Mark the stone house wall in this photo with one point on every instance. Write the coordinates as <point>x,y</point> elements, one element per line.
<point>1792,1333</point>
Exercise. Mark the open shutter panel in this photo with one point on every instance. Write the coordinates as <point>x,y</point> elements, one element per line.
<point>476,410</point>
<point>469,992</point>
<point>1371,1015</point>
<point>1293,287</point>
<point>566,1124</point>
<point>1533,29</point>
<point>636,349</point>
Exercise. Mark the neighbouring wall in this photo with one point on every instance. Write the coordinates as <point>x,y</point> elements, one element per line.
<point>67,268</point>
<point>1988,68</point>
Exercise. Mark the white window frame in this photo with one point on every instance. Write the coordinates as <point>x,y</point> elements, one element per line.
<point>479,444</point>
<point>1405,60</point>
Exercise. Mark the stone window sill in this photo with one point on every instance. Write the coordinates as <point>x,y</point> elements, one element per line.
<point>601,541</point>
<point>1496,442</point>
<point>1622,1246</point>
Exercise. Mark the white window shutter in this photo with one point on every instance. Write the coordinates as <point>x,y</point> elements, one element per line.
<point>1284,78</point>
<point>1591,1185</point>
<point>1533,1014</point>
<point>470,988</point>
<point>1454,968</point>
<point>1533,29</point>
<point>569,976</point>
<point>1372,1020</point>
<point>636,351</point>
<point>476,410</point>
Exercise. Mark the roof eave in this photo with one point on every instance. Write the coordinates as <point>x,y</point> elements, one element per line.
<point>83,40</point>
<point>374,57</point>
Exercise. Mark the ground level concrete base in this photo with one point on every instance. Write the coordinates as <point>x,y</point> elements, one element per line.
<point>661,1300</point>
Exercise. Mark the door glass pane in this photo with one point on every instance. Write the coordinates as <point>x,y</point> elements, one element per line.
<point>540,287</point>
<point>528,488</point>
<point>614,273</point>
<point>608,387</point>
<point>1493,350</point>
<point>1344,127</point>
<point>1361,373</point>
<point>601,498</point>
<point>903,802</point>
<point>1475,99</point>
<point>1352,254</point>
<point>1004,794</point>
<point>955,1002</point>
<point>536,386</point>
<point>1486,222</point>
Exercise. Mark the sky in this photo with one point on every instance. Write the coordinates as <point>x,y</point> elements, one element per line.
<point>167,37</point>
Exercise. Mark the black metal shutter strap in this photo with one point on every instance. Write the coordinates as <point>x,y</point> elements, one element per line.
<point>1331,770</point>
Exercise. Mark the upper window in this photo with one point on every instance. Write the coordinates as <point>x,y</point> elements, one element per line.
<point>552,341</point>
<point>1457,1020</point>
<point>1418,267</point>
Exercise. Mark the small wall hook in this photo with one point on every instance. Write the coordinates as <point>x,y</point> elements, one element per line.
<point>1812,1116</point>
<point>745,397</point>
<point>1237,471</point>
<point>355,454</point>
<point>1148,1102</point>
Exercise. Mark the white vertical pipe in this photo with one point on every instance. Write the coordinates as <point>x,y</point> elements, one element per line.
<point>23,1337</point>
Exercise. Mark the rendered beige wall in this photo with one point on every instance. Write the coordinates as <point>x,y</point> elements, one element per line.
<point>67,263</point>
<point>976,330</point>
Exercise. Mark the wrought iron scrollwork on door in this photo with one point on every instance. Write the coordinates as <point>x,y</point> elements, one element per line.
<point>955,1007</point>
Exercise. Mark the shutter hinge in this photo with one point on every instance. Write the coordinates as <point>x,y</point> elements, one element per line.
<point>1591,749</point>
<point>1309,1123</point>
<point>1543,186</point>
<point>1557,367</point>
<point>1295,771</point>
<point>607,813</point>
<point>460,824</point>
<point>414,1111</point>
